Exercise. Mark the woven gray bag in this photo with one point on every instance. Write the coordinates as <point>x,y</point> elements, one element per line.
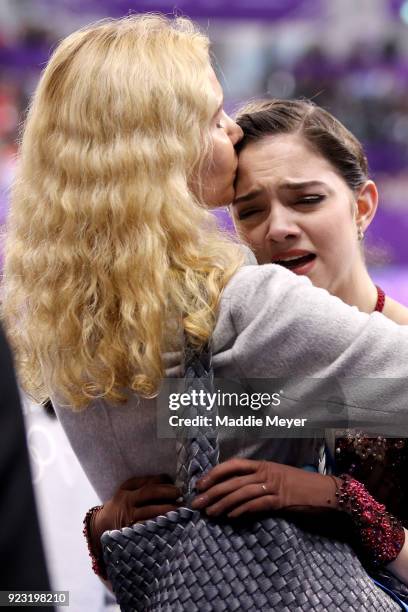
<point>184,561</point>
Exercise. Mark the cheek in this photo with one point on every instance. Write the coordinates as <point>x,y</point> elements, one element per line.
<point>333,234</point>
<point>255,237</point>
<point>224,156</point>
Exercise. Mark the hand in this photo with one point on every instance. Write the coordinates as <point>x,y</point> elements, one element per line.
<point>240,486</point>
<point>137,499</point>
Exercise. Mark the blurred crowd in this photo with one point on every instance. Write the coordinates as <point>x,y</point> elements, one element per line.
<point>367,89</point>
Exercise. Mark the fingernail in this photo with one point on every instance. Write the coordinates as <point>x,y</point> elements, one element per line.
<point>199,502</point>
<point>202,484</point>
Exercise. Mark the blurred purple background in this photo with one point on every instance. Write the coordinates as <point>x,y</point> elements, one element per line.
<point>350,56</point>
<point>352,62</point>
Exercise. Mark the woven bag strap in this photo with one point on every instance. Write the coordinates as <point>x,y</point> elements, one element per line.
<point>197,446</point>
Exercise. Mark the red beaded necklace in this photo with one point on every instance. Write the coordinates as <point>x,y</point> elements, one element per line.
<point>379,306</point>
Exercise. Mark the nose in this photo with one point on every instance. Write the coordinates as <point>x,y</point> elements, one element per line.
<point>234,131</point>
<point>281,227</point>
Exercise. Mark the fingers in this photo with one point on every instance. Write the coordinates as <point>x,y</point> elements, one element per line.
<point>154,493</point>
<point>262,504</point>
<point>227,469</point>
<point>153,511</point>
<point>236,498</point>
<point>140,481</point>
<point>221,490</point>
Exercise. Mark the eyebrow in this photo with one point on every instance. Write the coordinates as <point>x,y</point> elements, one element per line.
<point>302,184</point>
<point>292,185</point>
<point>251,195</point>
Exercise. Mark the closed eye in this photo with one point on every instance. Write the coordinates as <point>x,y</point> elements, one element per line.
<point>219,118</point>
<point>310,199</point>
<point>246,213</point>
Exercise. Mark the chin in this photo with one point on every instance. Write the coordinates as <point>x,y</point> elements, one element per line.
<point>220,202</point>
<point>220,197</point>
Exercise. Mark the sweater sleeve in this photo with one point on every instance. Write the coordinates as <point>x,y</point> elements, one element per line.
<point>285,327</point>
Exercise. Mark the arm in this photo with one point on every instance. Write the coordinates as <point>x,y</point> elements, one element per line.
<point>241,486</point>
<point>399,567</point>
<point>283,327</point>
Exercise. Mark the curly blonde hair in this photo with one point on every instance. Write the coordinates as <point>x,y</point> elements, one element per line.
<point>110,254</point>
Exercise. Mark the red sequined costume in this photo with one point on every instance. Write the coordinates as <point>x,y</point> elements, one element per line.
<point>374,490</point>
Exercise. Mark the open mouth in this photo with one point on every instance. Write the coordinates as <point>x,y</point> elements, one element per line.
<point>291,263</point>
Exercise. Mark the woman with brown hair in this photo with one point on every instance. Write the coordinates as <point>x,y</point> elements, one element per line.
<point>304,200</point>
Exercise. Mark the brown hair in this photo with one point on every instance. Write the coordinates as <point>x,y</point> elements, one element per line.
<point>323,131</point>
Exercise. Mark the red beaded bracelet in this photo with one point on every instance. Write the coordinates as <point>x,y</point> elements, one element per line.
<point>98,564</point>
<point>382,535</point>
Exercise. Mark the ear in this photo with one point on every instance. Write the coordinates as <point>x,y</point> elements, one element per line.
<point>366,204</point>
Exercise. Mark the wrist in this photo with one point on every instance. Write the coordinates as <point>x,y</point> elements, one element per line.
<point>322,490</point>
<point>93,541</point>
<point>314,492</point>
<point>380,534</point>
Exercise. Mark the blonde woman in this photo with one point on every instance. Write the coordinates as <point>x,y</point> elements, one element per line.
<point>112,256</point>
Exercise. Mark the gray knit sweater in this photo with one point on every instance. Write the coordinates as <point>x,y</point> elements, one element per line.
<point>271,323</point>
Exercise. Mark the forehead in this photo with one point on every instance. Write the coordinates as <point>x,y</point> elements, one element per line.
<point>286,156</point>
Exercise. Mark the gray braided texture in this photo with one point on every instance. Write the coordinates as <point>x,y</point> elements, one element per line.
<point>197,447</point>
<point>184,561</point>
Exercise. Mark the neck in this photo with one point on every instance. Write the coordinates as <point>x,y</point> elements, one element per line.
<point>358,290</point>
